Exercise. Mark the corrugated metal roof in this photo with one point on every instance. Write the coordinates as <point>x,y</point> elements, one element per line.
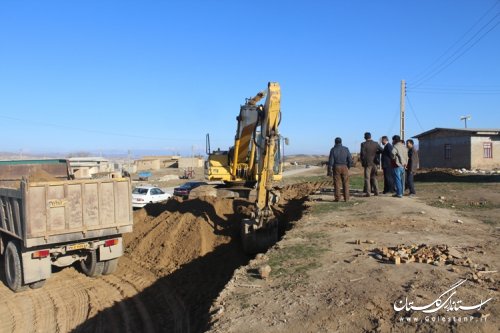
<point>494,131</point>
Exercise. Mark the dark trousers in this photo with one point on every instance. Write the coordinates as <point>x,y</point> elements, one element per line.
<point>341,176</point>
<point>388,180</point>
<point>409,182</point>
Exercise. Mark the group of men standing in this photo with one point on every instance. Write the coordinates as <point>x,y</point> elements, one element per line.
<point>399,163</point>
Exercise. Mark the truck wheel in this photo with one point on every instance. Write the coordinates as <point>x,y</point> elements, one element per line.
<point>90,266</point>
<point>110,266</point>
<point>38,284</point>
<point>13,268</point>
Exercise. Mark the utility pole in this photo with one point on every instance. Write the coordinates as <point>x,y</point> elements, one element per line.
<point>402,110</point>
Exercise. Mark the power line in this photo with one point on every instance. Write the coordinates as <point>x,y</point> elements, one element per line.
<point>414,113</point>
<point>432,70</point>
<point>459,55</point>
<point>452,92</point>
<point>456,89</point>
<point>457,41</point>
<point>393,122</point>
<point>89,130</point>
<point>458,86</point>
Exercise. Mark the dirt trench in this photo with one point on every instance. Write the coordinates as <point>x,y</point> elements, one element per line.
<point>178,259</point>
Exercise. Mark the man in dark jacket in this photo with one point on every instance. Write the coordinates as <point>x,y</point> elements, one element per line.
<point>412,166</point>
<point>368,155</point>
<point>339,163</point>
<point>387,166</point>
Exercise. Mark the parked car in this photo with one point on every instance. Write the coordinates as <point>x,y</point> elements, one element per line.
<point>183,190</point>
<point>144,175</point>
<point>143,195</point>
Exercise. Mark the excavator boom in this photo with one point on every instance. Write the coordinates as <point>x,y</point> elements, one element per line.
<point>261,231</point>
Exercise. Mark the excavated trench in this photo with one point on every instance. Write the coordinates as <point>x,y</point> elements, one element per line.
<point>177,261</point>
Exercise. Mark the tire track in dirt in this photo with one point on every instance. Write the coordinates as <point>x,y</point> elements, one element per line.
<point>14,317</point>
<point>43,315</point>
<point>140,315</point>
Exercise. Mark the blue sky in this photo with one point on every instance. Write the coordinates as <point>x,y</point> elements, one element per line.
<point>159,75</point>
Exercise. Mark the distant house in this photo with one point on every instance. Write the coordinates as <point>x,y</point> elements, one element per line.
<point>156,162</point>
<point>86,167</point>
<point>469,148</point>
<point>190,162</point>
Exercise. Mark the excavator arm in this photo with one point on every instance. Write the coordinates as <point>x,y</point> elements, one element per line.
<point>261,231</point>
<point>243,156</point>
<point>240,164</point>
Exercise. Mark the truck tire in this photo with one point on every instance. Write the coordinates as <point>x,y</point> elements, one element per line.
<point>37,284</point>
<point>91,266</point>
<point>13,268</point>
<point>110,266</point>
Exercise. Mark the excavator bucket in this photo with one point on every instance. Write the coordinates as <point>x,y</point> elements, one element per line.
<point>258,240</point>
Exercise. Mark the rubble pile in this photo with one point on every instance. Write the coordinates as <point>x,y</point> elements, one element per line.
<point>477,171</point>
<point>436,255</point>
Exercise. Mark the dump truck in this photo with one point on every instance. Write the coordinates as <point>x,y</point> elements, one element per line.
<point>47,218</point>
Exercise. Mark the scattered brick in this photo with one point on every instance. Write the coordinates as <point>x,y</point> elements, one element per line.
<point>436,255</point>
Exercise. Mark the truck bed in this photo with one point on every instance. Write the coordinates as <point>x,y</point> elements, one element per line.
<point>47,212</point>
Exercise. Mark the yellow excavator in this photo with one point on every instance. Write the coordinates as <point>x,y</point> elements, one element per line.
<point>239,164</point>
<point>254,162</point>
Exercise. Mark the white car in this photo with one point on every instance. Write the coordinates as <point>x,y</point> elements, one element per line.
<point>143,195</point>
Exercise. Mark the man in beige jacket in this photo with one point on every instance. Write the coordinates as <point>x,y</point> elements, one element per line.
<point>399,162</point>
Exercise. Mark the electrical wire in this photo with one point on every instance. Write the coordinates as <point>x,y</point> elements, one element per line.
<point>458,56</point>
<point>453,92</point>
<point>459,86</point>
<point>455,89</point>
<point>414,113</point>
<point>88,130</point>
<point>432,70</point>
<point>393,122</point>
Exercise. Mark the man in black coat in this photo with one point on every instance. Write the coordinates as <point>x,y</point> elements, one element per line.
<point>412,166</point>
<point>387,166</point>
<point>368,155</point>
<point>339,163</point>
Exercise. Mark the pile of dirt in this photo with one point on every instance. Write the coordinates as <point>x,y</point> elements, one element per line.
<point>438,175</point>
<point>167,236</point>
<point>193,247</point>
<point>302,190</point>
<point>41,176</point>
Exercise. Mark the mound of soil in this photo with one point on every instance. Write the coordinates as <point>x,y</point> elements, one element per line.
<point>302,190</point>
<point>169,235</point>
<point>41,176</point>
<point>166,236</point>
